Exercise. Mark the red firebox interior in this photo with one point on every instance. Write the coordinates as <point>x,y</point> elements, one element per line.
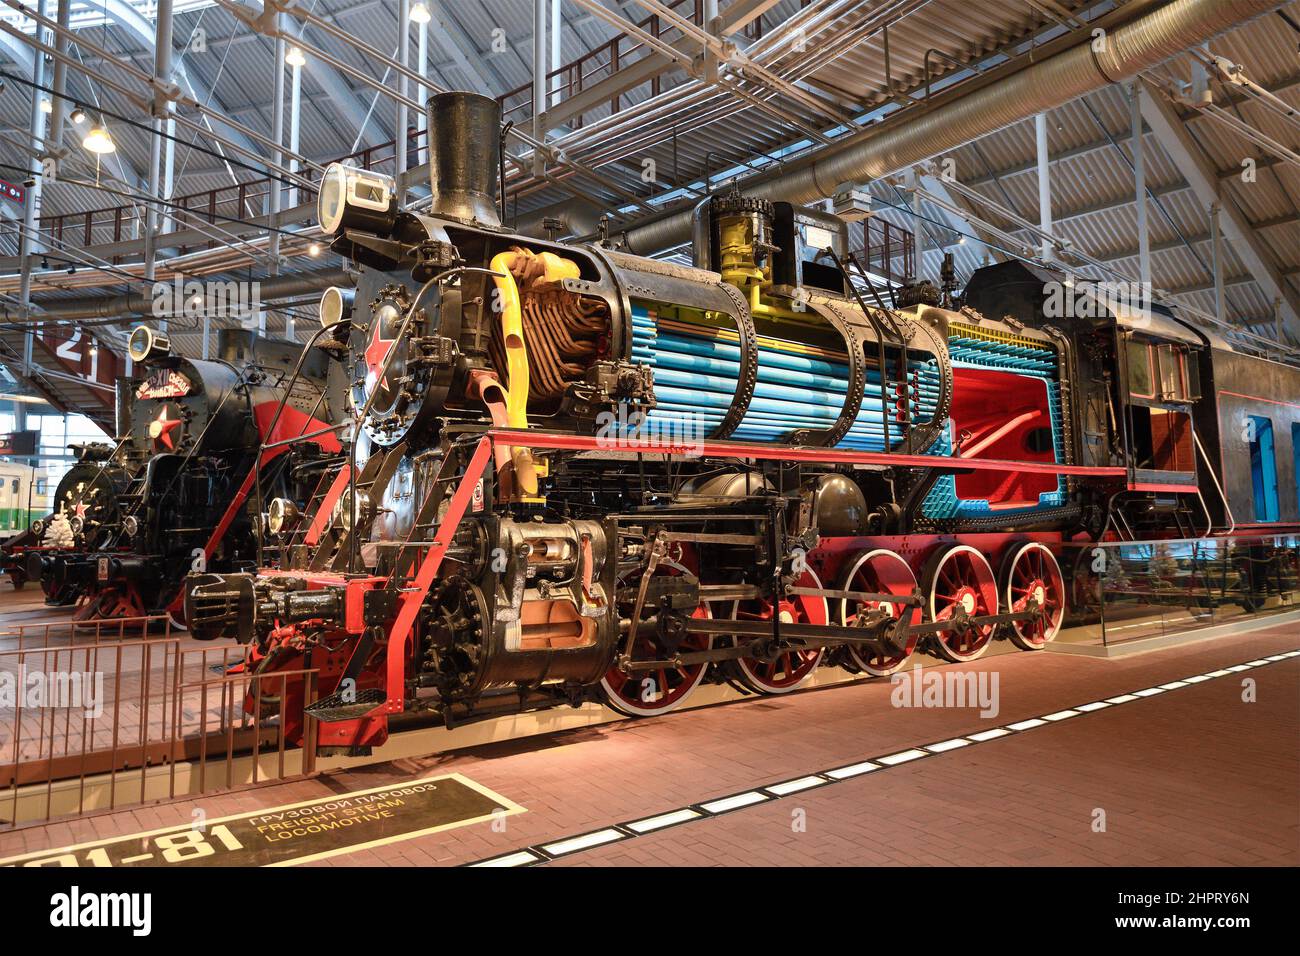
<point>1002,415</point>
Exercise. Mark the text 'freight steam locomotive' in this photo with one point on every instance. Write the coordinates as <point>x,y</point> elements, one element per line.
<point>201,445</point>
<point>581,473</point>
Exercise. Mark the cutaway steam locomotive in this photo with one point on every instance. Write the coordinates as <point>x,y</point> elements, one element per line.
<point>202,444</point>
<point>582,474</point>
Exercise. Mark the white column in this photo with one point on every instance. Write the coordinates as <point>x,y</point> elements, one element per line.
<point>295,117</point>
<point>27,246</point>
<point>557,36</point>
<point>539,78</point>
<point>1140,188</point>
<point>1216,246</point>
<point>1044,186</point>
<point>403,86</point>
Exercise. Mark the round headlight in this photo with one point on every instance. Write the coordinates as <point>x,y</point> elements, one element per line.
<point>344,509</point>
<point>76,524</point>
<point>352,198</point>
<point>131,525</point>
<point>146,344</point>
<point>38,527</point>
<point>280,514</point>
<point>336,305</point>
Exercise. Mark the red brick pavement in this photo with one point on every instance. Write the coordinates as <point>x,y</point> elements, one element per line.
<point>1191,776</point>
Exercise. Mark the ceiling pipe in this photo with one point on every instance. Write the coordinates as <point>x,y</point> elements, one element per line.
<point>1120,55</point>
<point>142,304</point>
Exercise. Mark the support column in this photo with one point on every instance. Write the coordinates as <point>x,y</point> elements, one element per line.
<point>1047,250</point>
<point>539,80</point>
<point>161,122</point>
<point>1140,186</point>
<point>276,188</point>
<point>557,49</point>
<point>296,61</point>
<point>27,246</point>
<point>420,14</point>
<point>60,109</point>
<point>918,228</point>
<point>1216,247</point>
<point>403,88</point>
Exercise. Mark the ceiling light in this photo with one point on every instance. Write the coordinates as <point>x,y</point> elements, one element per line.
<point>420,13</point>
<point>78,115</point>
<point>94,348</point>
<point>295,57</point>
<point>98,141</point>
<point>47,106</point>
<point>314,249</point>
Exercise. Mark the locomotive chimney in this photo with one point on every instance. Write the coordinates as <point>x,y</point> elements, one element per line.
<point>464,133</point>
<point>235,345</point>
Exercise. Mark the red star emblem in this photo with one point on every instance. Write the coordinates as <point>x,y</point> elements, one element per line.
<point>160,429</point>
<point>80,509</point>
<point>377,351</point>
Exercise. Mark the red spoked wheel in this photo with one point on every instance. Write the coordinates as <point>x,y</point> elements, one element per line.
<point>960,577</point>
<point>1031,571</point>
<point>794,666</point>
<point>879,572</point>
<point>647,693</point>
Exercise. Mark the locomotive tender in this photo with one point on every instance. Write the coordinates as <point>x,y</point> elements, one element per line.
<point>582,473</point>
<point>184,483</point>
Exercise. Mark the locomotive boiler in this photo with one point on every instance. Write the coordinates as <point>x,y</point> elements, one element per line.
<point>201,445</point>
<point>581,473</point>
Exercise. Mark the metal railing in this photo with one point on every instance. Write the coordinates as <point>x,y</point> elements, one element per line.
<point>100,724</point>
<point>215,207</point>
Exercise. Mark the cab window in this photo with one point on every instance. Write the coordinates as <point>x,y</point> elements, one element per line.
<point>1139,369</point>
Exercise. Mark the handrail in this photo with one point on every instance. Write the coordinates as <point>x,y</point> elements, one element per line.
<point>197,207</point>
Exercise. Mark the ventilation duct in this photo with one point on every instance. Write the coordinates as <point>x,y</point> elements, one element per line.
<point>1121,54</point>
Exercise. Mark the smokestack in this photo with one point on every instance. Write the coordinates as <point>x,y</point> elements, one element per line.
<point>235,345</point>
<point>464,133</point>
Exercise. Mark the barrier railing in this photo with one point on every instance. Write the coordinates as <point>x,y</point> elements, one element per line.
<point>97,725</point>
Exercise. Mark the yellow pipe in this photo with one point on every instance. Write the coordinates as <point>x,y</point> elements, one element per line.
<point>555,269</point>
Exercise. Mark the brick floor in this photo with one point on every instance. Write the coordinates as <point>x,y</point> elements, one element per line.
<point>1193,776</point>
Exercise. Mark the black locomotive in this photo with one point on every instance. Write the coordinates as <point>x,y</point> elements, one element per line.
<point>582,473</point>
<point>202,445</point>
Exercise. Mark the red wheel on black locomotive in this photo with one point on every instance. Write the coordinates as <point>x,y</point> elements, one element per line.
<point>879,572</point>
<point>647,693</point>
<point>960,577</point>
<point>1030,571</point>
<point>793,666</point>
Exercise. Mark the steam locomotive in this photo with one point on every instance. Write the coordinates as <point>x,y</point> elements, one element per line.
<point>202,444</point>
<point>582,473</point>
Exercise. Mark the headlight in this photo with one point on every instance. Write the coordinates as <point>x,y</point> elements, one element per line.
<point>352,198</point>
<point>280,514</point>
<point>146,344</point>
<point>336,306</point>
<point>344,509</point>
<point>76,524</point>
<point>38,527</point>
<point>131,525</point>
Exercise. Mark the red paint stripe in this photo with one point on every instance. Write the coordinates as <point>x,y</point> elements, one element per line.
<point>238,501</point>
<point>322,515</point>
<point>830,456</point>
<point>414,597</point>
<point>1256,398</point>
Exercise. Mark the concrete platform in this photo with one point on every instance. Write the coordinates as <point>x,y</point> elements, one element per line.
<point>1189,775</point>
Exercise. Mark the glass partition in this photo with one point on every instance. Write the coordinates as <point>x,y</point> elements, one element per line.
<point>1122,591</point>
